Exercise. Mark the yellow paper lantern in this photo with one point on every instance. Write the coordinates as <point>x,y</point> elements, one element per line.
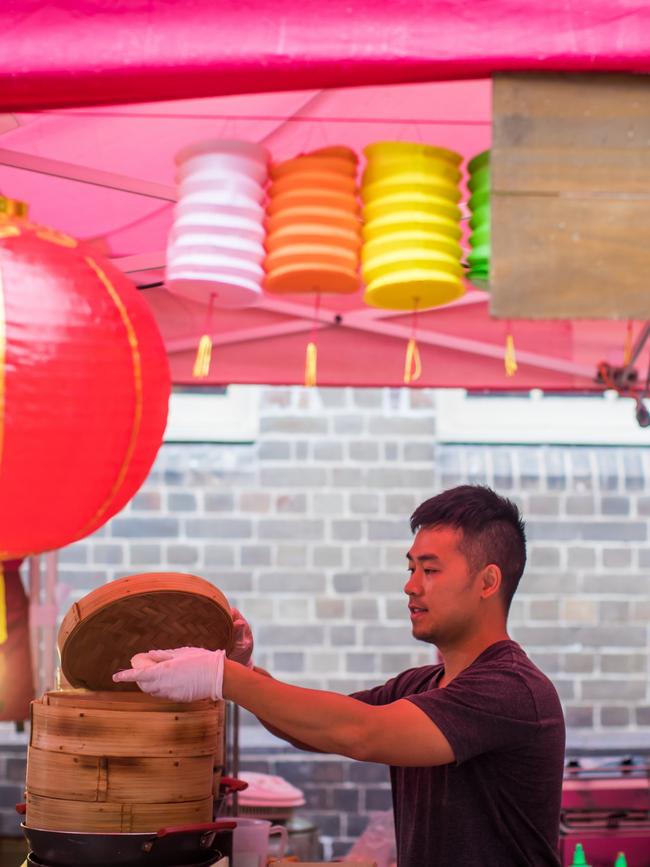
<point>411,258</point>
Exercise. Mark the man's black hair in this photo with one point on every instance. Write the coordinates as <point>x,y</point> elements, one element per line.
<point>492,530</point>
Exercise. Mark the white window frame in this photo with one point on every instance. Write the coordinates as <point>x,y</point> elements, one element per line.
<point>198,416</point>
<point>534,417</point>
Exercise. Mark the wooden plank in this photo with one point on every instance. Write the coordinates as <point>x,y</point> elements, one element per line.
<point>570,196</point>
<point>579,171</point>
<point>599,103</point>
<point>569,258</point>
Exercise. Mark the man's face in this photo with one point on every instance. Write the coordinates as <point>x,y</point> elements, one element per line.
<point>444,596</point>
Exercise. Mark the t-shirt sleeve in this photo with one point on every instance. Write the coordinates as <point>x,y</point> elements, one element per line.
<point>482,711</point>
<point>397,687</point>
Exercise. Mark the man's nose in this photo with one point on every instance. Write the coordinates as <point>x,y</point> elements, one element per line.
<point>412,583</point>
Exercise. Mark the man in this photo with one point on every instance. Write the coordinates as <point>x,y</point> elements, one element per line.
<point>475,744</point>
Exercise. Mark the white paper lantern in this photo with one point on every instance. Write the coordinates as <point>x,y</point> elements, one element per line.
<point>216,245</point>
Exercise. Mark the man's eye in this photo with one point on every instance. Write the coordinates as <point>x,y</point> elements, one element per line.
<point>431,571</point>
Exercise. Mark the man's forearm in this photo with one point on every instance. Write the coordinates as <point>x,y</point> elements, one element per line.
<point>276,731</point>
<point>323,721</point>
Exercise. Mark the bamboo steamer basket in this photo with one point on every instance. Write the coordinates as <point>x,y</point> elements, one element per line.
<point>123,762</point>
<point>56,814</point>
<point>78,726</point>
<point>108,760</point>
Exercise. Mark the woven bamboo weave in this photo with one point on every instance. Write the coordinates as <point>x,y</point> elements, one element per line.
<point>101,632</point>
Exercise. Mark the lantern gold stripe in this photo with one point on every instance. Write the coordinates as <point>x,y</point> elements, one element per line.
<point>137,377</point>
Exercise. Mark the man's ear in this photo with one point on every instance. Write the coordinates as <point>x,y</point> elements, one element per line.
<point>490,580</point>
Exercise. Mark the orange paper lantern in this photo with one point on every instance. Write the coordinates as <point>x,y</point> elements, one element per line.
<point>313,230</point>
<point>84,389</point>
<point>313,227</point>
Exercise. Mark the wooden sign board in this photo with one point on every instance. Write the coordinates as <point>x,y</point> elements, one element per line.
<point>570,197</point>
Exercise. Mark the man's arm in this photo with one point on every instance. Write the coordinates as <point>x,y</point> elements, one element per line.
<point>275,731</point>
<point>395,734</point>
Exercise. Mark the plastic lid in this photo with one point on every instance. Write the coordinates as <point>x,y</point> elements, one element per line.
<point>265,790</point>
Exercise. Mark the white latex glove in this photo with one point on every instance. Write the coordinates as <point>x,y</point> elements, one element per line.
<point>242,651</point>
<point>179,674</point>
<point>151,657</point>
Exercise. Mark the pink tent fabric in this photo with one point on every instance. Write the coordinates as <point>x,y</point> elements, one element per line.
<point>106,173</point>
<point>84,52</point>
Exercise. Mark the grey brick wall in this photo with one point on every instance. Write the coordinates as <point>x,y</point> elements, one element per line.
<point>306,530</point>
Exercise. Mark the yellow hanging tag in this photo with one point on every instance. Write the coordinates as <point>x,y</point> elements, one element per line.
<point>203,357</point>
<point>311,364</point>
<point>412,363</point>
<point>627,349</point>
<point>510,359</point>
<point>3,608</point>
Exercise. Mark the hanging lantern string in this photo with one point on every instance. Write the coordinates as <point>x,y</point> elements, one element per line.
<point>412,361</point>
<point>627,349</point>
<point>510,357</point>
<point>204,352</point>
<point>311,355</point>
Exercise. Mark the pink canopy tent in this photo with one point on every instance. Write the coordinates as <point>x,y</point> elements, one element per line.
<point>99,96</point>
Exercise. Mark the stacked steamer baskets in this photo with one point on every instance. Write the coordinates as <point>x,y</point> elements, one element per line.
<point>313,226</point>
<point>216,245</point>
<point>108,765</point>
<point>411,256</point>
<point>479,206</point>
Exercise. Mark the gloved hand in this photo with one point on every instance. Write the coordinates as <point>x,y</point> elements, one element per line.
<point>178,674</point>
<point>243,649</point>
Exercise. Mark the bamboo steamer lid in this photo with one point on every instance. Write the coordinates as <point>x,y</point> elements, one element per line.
<point>103,630</point>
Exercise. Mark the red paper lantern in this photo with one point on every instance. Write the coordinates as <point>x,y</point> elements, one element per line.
<point>84,389</point>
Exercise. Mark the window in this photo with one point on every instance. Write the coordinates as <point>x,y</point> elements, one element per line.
<point>535,417</point>
<point>213,415</point>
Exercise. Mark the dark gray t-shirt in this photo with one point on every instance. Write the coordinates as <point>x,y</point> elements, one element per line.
<point>498,805</point>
